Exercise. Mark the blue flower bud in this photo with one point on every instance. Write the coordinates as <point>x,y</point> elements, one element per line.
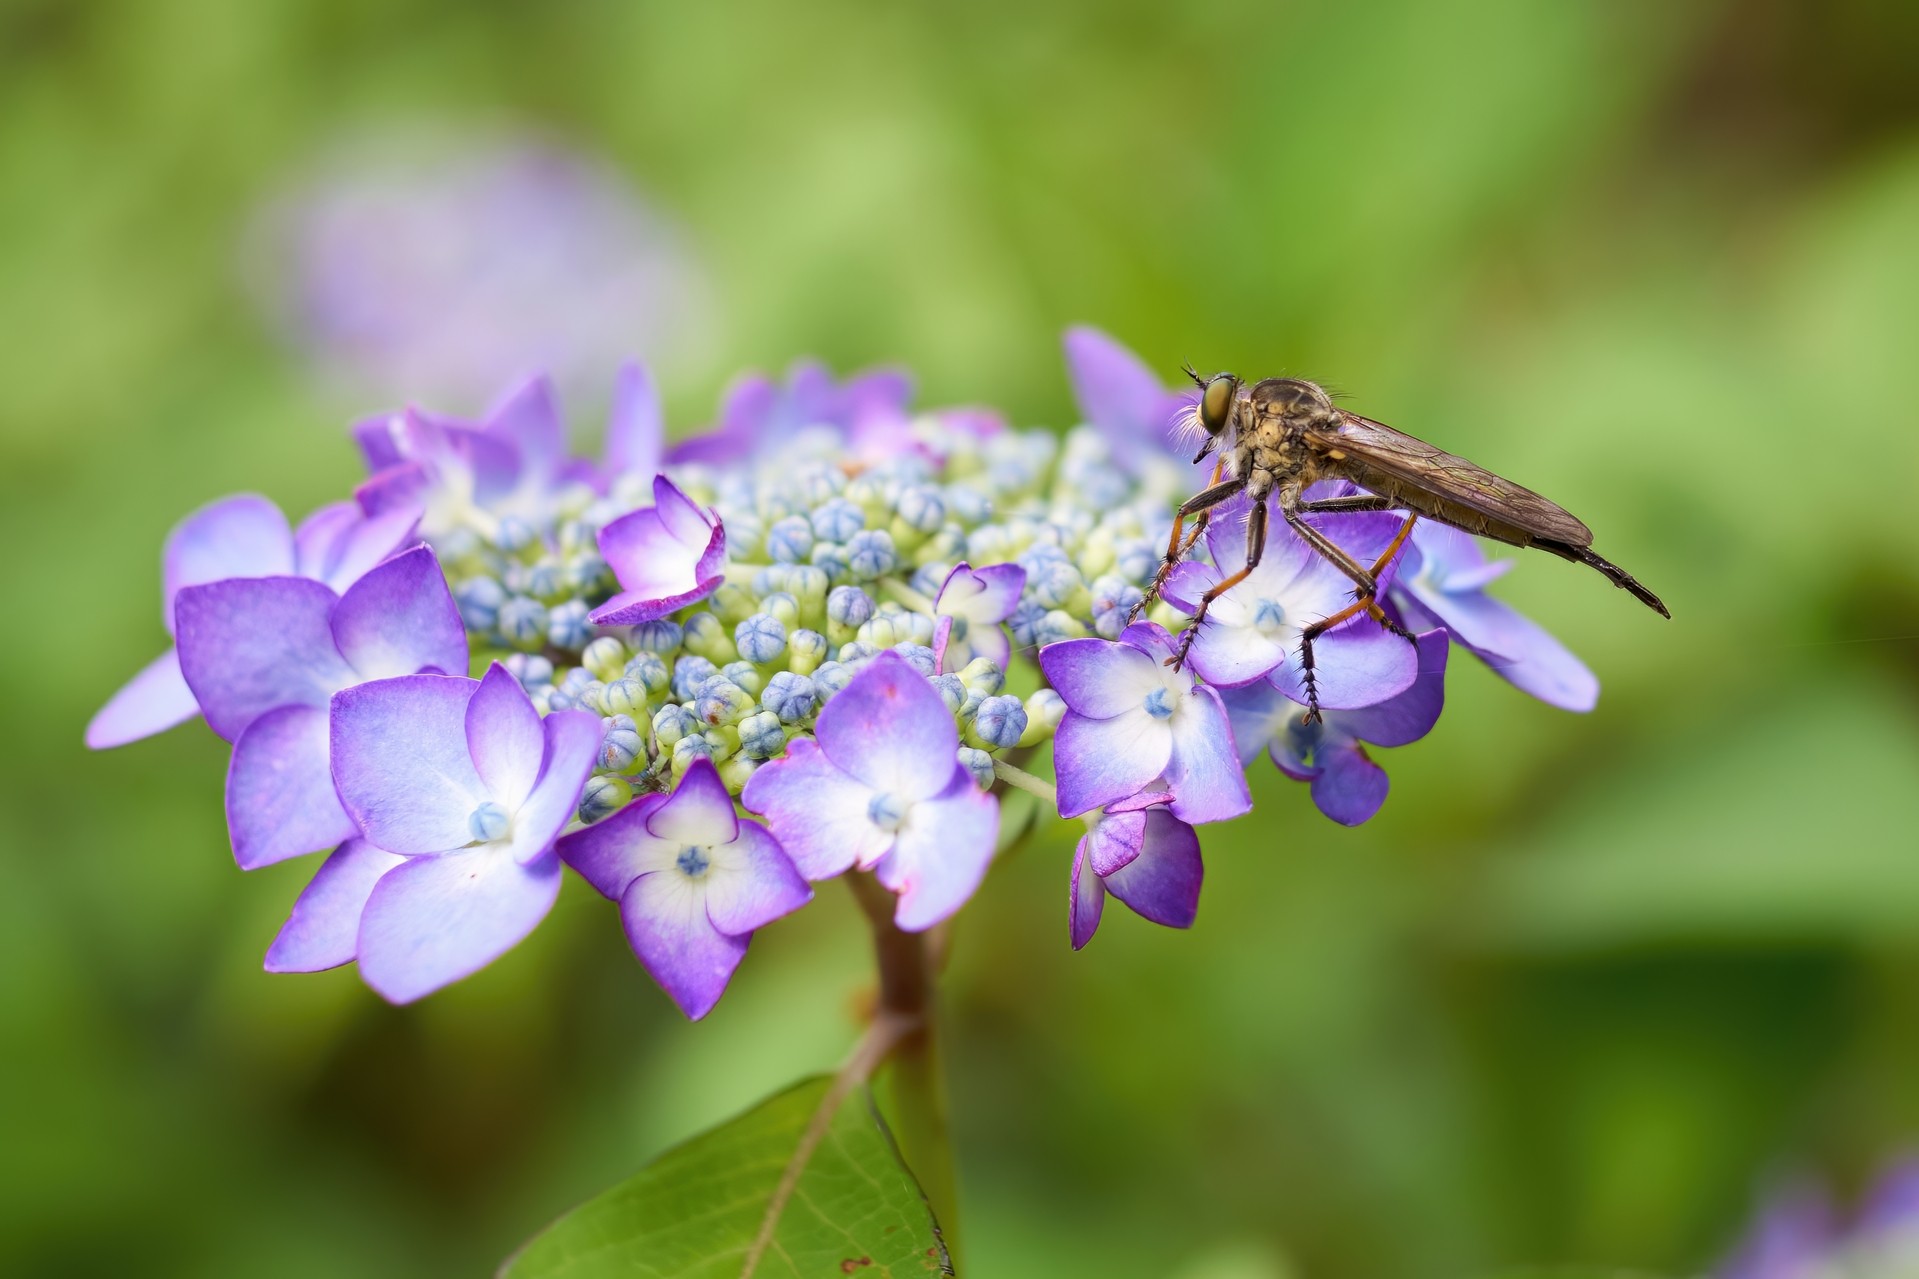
<point>721,701</point>
<point>532,670</point>
<point>650,671</point>
<point>760,638</point>
<point>590,696</point>
<point>689,673</point>
<point>837,520</point>
<point>967,504</point>
<point>488,822</point>
<point>830,678</point>
<point>781,605</point>
<point>761,736</point>
<point>857,654</point>
<point>479,600</point>
<point>733,604</point>
<point>575,678</point>
<point>849,606</point>
<point>922,507</point>
<point>603,796</point>
<point>586,574</point>
<point>672,722</point>
<point>979,764</point>
<point>663,637</point>
<point>808,585</point>
<point>920,656</point>
<point>746,675</point>
<point>706,635</point>
<point>605,657</point>
<point>870,554</point>
<point>522,623</point>
<point>575,536</point>
<point>818,484</point>
<point>951,691</point>
<point>998,723</point>
<point>1051,581</point>
<point>790,541</point>
<point>1058,625</point>
<point>830,559</point>
<point>790,697</point>
<point>624,696</point>
<point>983,676</point>
<point>546,581</point>
<point>737,771</point>
<point>928,578</point>
<point>620,744</point>
<point>805,650</point>
<point>1044,710</point>
<point>1024,624</point>
<point>688,749</point>
<point>567,625</point>
<point>514,535</point>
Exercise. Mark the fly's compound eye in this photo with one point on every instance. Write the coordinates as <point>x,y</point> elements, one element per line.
<point>1216,402</point>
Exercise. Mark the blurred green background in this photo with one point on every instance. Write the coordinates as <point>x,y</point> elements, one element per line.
<point>1570,998</point>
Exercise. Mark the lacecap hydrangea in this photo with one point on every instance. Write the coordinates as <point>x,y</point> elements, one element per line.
<point>832,633</point>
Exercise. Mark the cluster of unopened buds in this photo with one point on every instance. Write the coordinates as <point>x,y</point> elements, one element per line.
<point>831,634</point>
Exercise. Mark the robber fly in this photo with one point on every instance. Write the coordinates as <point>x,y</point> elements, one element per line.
<point>1283,434</point>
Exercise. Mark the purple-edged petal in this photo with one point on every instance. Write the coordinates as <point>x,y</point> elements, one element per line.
<point>1088,898</point>
<point>400,619</point>
<point>941,854</point>
<point>378,438</point>
<point>280,797</point>
<point>364,543</point>
<point>572,745</point>
<point>1518,650</point>
<point>889,729</point>
<point>505,737</point>
<point>942,639</point>
<point>1412,714</point>
<point>635,433</point>
<point>1232,655</point>
<point>1204,772</point>
<point>397,489</point>
<point>319,533</point>
<point>665,556</point>
<point>1348,787</point>
<point>1257,714</point>
<point>666,924</point>
<point>529,418</point>
<point>759,883</point>
<point>1098,761</point>
<point>1114,842</point>
<point>611,854</point>
<point>154,700</point>
<point>987,595</point>
<point>700,811</point>
<point>324,929</point>
<point>1162,883</point>
<point>250,644</point>
<point>1099,678</point>
<point>401,764</point>
<point>433,920</point>
<point>240,536</point>
<point>816,811</point>
<point>1358,663</point>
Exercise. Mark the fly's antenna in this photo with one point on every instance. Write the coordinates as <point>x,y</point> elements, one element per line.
<point>1193,373</point>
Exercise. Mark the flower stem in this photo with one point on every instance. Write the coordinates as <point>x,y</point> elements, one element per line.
<point>1014,776</point>
<point>913,1091</point>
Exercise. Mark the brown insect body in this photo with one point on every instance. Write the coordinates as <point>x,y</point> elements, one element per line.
<point>1279,436</point>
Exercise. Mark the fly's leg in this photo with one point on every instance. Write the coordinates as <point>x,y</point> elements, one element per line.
<point>1366,584</point>
<point>1357,502</point>
<point>1255,547</point>
<point>1200,505</point>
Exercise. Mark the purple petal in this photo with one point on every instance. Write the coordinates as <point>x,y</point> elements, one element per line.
<point>1412,714</point>
<point>324,929</point>
<point>816,811</point>
<point>982,596</point>
<point>666,556</point>
<point>151,702</point>
<point>941,854</point>
<point>889,729</point>
<point>249,644</point>
<point>1794,1235</point>
<point>759,886</point>
<point>1098,761</point>
<point>1114,842</point>
<point>433,920</point>
<point>529,418</point>
<point>401,764</point>
<point>240,536</point>
<point>376,437</point>
<point>1231,655</point>
<point>942,637</point>
<point>1099,678</point>
<point>572,746</point>
<point>280,798</point>
<point>1162,883</point>
<point>1207,780</point>
<point>1257,714</point>
<point>1518,650</point>
<point>318,534</point>
<point>504,737</point>
<point>1359,663</point>
<point>666,924</point>
<point>874,393</point>
<point>1348,786</point>
<point>1892,1206</point>
<point>611,854</point>
<point>400,619</point>
<point>395,490</point>
<point>1088,898</point>
<point>700,811</point>
<point>363,543</point>
<point>1114,388</point>
<point>635,434</point>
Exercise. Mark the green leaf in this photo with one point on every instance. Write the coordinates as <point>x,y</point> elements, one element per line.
<point>697,1210</point>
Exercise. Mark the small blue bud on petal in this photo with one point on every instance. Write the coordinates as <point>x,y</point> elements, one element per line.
<point>487,823</point>
<point>887,811</point>
<point>1159,703</point>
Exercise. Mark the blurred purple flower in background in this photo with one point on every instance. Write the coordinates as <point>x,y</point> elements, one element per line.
<point>436,268</point>
<point>1122,398</point>
<point>1799,1234</point>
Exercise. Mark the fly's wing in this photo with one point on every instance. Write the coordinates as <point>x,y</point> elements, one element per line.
<point>1418,464</point>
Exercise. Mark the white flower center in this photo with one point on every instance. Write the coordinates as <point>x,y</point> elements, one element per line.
<point>1269,618</point>
<point>887,811</point>
<point>488,822</point>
